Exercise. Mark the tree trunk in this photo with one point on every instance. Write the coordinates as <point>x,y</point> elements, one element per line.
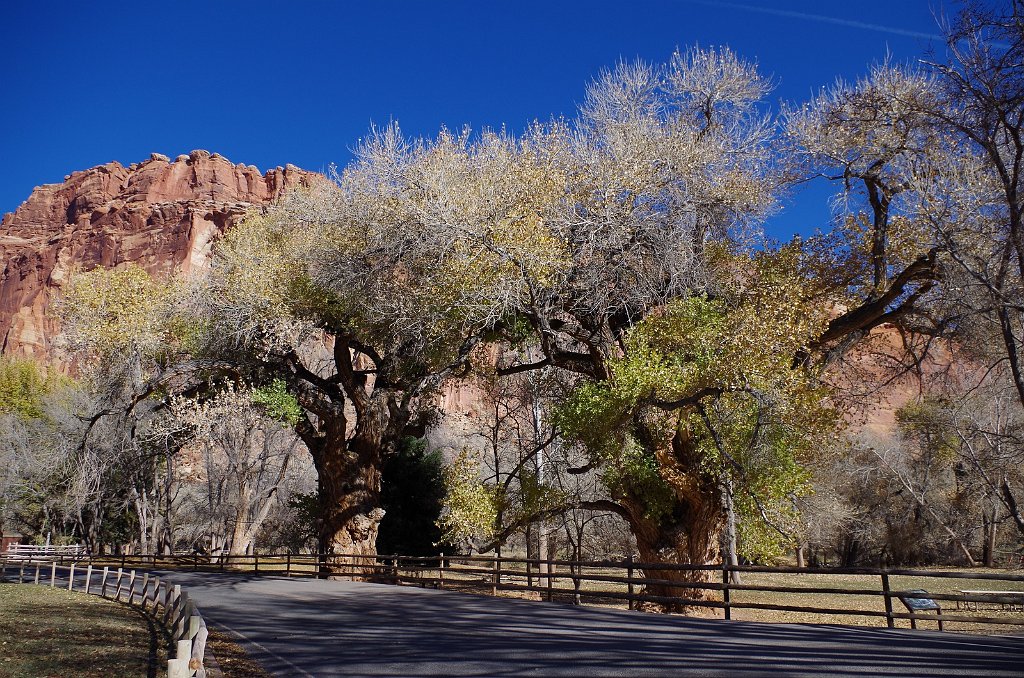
<point>348,479</point>
<point>990,527</point>
<point>690,536</point>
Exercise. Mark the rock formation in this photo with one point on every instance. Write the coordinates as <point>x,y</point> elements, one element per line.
<point>160,214</point>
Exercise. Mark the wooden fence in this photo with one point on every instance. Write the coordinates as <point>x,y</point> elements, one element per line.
<point>32,552</point>
<point>628,583</point>
<point>163,601</point>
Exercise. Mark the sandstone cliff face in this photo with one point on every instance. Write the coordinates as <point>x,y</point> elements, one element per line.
<point>161,214</point>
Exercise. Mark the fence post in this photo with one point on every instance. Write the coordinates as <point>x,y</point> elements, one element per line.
<point>53,574</point>
<point>88,578</point>
<point>170,602</point>
<point>122,560</point>
<point>103,582</point>
<point>71,576</point>
<point>725,590</point>
<point>181,625</point>
<point>494,576</point>
<point>550,577</point>
<point>156,594</point>
<point>576,583</point>
<point>117,589</point>
<point>440,571</point>
<point>629,580</point>
<point>178,667</point>
<point>255,563</point>
<point>131,587</point>
<point>889,621</point>
<point>144,594</point>
<point>288,564</point>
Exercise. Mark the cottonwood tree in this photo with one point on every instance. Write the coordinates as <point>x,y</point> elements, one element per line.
<point>366,295</point>
<point>980,430</point>
<point>80,478</point>
<point>671,168</point>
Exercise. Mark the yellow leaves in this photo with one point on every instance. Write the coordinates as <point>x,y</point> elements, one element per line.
<point>471,507</point>
<point>257,258</point>
<point>109,311</point>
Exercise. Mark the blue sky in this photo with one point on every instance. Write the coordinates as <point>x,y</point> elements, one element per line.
<point>271,82</point>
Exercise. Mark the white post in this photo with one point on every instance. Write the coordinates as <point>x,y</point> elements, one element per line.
<point>177,668</point>
<point>88,578</point>
<point>53,574</point>
<point>117,589</point>
<point>180,620</point>
<point>71,577</point>
<point>199,650</point>
<point>103,581</point>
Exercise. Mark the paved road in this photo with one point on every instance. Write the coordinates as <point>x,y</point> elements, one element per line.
<point>306,627</point>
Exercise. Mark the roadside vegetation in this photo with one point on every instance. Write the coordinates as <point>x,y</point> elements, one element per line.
<point>48,632</point>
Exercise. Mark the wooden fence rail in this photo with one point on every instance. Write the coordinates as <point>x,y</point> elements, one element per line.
<point>165,602</point>
<point>626,581</point>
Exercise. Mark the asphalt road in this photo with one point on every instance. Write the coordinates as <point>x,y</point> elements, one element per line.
<point>308,627</point>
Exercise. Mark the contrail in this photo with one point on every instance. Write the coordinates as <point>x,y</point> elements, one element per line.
<point>817,17</point>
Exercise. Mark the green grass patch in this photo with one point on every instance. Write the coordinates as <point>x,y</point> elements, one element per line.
<point>46,632</point>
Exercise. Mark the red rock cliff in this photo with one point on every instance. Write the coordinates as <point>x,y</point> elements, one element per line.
<point>161,214</point>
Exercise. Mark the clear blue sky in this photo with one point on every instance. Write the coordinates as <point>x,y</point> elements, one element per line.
<point>270,82</point>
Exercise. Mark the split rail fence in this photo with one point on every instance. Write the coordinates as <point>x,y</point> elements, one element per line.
<point>934,596</point>
<point>162,600</point>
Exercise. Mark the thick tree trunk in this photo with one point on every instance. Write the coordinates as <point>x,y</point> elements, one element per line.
<point>690,536</point>
<point>349,481</point>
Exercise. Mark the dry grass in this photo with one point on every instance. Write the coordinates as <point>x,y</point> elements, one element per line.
<point>873,602</point>
<point>48,633</point>
<point>479,583</point>
<point>232,659</point>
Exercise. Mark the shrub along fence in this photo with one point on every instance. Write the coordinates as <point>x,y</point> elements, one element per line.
<point>163,601</point>
<point>970,599</point>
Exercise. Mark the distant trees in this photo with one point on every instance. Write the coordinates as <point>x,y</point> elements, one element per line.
<point>982,108</point>
<point>242,448</point>
<point>130,453</point>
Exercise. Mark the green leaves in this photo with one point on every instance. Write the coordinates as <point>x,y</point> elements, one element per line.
<point>278,402</point>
